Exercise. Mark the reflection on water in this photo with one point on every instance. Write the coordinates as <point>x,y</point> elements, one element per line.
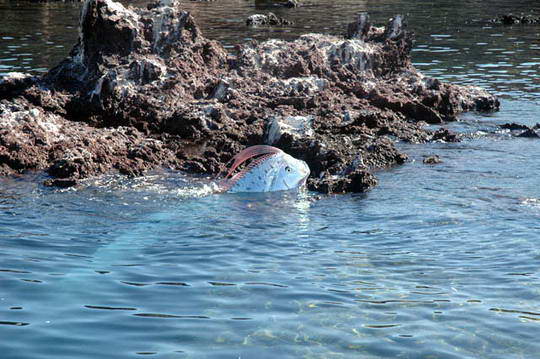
<point>437,262</point>
<point>35,36</point>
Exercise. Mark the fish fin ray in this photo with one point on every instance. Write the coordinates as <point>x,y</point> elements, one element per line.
<point>228,183</point>
<point>250,153</point>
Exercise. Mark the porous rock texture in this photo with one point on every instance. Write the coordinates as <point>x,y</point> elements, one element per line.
<point>511,19</point>
<point>143,88</point>
<point>270,19</point>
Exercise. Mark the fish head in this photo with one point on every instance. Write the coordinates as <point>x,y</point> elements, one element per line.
<point>263,168</point>
<point>292,173</point>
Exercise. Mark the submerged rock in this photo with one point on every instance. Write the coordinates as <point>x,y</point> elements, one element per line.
<point>291,3</point>
<point>526,131</point>
<point>444,135</point>
<point>514,126</point>
<point>511,19</point>
<point>432,160</point>
<point>143,88</point>
<point>531,132</point>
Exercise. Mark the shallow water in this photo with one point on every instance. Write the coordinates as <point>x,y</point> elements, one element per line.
<point>436,262</point>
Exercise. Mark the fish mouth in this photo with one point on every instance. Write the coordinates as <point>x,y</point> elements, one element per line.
<point>303,181</point>
<point>300,184</point>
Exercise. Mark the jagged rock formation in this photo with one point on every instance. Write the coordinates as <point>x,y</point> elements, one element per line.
<point>143,88</point>
<point>511,19</point>
<point>520,130</point>
<point>269,19</point>
<point>432,160</point>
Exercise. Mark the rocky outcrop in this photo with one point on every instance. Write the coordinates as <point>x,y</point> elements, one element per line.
<point>269,19</point>
<point>520,130</point>
<point>511,19</point>
<point>532,132</point>
<point>432,160</point>
<point>143,88</point>
<point>33,138</point>
<point>291,3</point>
<point>514,126</point>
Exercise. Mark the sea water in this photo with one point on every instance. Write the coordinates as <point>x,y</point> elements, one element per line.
<point>438,261</point>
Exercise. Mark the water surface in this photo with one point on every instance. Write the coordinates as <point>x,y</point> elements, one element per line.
<point>436,262</point>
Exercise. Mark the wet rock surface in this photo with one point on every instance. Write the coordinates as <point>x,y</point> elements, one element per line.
<point>514,126</point>
<point>291,3</point>
<point>520,130</point>
<point>143,88</point>
<point>432,160</point>
<point>269,19</point>
<point>511,19</point>
<point>531,132</point>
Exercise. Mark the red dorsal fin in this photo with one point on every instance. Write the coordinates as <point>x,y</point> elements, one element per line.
<point>250,153</point>
<point>229,182</point>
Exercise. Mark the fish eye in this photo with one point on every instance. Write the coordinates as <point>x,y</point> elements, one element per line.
<point>288,169</point>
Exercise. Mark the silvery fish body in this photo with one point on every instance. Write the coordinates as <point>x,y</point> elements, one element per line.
<point>271,169</point>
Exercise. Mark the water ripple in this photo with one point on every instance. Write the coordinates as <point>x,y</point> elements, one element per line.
<point>437,261</point>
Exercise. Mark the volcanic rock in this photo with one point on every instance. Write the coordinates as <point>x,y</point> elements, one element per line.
<point>531,133</point>
<point>359,28</point>
<point>143,88</point>
<point>432,160</point>
<point>297,127</point>
<point>510,19</point>
<point>270,19</point>
<point>514,126</point>
<point>291,3</point>
<point>526,131</point>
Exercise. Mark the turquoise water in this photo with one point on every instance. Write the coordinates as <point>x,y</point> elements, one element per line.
<point>436,262</point>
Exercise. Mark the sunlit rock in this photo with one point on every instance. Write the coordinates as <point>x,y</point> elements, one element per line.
<point>143,88</point>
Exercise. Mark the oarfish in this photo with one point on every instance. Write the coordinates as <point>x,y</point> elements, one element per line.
<point>265,168</point>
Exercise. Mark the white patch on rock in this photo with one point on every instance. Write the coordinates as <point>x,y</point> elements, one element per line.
<point>79,57</point>
<point>15,119</point>
<point>97,90</point>
<point>166,21</point>
<point>73,154</point>
<point>272,50</point>
<point>125,14</point>
<point>256,19</point>
<point>306,85</point>
<point>356,53</point>
<point>296,126</point>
